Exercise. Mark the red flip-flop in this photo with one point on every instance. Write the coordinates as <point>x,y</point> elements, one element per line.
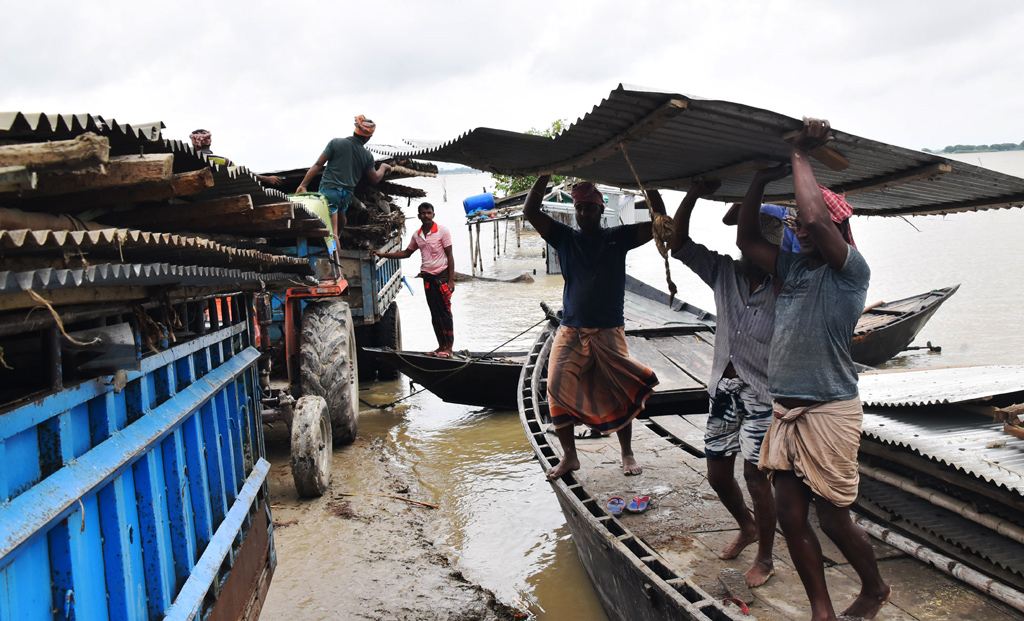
<point>443,354</point>
<point>638,504</point>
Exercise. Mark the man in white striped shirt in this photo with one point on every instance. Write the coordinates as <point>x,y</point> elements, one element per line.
<point>740,406</point>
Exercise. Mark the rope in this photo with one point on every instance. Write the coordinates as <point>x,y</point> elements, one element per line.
<point>467,364</point>
<point>662,227</point>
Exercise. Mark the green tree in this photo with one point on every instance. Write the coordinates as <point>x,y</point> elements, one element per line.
<point>506,185</point>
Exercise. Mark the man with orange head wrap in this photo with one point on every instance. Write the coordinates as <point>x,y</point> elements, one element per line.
<point>343,163</point>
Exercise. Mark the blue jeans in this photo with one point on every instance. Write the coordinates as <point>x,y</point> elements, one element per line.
<point>338,199</point>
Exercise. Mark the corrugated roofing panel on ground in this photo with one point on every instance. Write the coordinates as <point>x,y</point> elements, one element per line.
<point>671,139</point>
<point>934,386</point>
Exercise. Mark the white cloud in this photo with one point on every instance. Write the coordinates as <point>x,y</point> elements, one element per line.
<point>274,81</point>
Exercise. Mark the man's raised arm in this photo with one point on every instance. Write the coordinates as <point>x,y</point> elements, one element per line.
<point>812,212</point>
<point>748,234</point>
<point>540,220</point>
<point>681,222</point>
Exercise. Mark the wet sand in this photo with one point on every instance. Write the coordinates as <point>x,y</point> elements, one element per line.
<point>365,556</point>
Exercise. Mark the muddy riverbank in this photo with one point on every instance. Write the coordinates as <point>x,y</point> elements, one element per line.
<point>369,555</point>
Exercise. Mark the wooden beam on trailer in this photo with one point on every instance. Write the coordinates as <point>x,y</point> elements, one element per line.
<point>640,130</point>
<point>17,179</point>
<point>183,184</point>
<point>276,215</point>
<point>120,171</point>
<point>163,214</point>
<point>84,151</point>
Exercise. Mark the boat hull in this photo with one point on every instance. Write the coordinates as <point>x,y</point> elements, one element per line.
<point>879,344</point>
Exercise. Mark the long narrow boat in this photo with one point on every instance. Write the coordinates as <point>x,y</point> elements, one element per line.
<point>940,483</point>
<point>684,336</point>
<point>887,329</point>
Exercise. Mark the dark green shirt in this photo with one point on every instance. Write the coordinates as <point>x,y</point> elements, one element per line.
<point>347,162</point>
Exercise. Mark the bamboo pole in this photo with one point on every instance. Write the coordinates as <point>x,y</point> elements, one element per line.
<point>944,563</point>
<point>472,257</point>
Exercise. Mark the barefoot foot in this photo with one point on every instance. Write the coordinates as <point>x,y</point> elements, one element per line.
<point>867,605</point>
<point>564,466</point>
<point>738,544</point>
<point>759,573</point>
<point>630,467</point>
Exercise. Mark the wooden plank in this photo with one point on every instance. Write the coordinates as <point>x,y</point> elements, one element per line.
<point>720,174</point>
<point>687,429</point>
<point>120,171</point>
<point>896,179</point>
<point>640,130</point>
<point>692,354</point>
<point>824,154</point>
<point>179,213</point>
<point>183,184</point>
<point>275,214</point>
<point>670,377</point>
<point>84,151</point>
<point>17,179</point>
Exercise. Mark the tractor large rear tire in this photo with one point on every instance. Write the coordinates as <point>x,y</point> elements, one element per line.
<point>389,335</point>
<point>328,364</point>
<point>312,448</point>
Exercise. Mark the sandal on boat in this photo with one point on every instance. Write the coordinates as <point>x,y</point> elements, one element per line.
<point>443,354</point>
<point>615,505</point>
<point>638,504</point>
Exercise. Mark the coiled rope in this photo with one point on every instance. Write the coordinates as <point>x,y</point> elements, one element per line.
<point>662,225</point>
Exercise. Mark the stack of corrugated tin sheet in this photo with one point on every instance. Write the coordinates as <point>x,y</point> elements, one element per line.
<point>668,140</point>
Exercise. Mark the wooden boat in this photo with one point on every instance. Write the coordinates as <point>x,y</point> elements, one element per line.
<point>480,379</point>
<point>887,329</point>
<point>663,564</point>
<point>678,341</point>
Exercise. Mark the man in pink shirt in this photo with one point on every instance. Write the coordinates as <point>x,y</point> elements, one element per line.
<point>438,274</point>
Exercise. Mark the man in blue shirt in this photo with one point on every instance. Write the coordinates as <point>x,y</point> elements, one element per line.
<point>810,450</point>
<point>591,378</point>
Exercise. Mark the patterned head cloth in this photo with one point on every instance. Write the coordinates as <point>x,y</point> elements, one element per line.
<point>840,211</point>
<point>201,138</point>
<point>772,227</point>
<point>364,126</point>
<point>586,192</point>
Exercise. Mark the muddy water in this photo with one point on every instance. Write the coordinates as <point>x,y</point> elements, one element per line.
<point>498,518</point>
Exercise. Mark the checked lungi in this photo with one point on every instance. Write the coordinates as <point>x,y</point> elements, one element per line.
<point>439,301</point>
<point>592,379</point>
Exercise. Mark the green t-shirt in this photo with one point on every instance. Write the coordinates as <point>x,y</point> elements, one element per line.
<point>347,162</point>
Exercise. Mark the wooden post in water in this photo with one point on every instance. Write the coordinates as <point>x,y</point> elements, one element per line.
<point>479,255</point>
<point>472,257</point>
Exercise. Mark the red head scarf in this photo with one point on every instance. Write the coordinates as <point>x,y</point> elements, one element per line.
<point>364,126</point>
<point>586,192</point>
<point>839,210</point>
<point>201,138</point>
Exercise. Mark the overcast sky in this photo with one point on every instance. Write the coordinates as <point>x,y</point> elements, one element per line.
<point>274,81</point>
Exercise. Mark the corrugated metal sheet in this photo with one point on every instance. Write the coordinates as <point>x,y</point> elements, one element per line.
<point>133,245</point>
<point>134,274</point>
<point>37,126</point>
<point>965,441</point>
<point>672,138</point>
<point>935,386</point>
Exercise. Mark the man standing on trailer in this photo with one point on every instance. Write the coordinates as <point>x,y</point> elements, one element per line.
<point>343,163</point>
<point>810,450</point>
<point>591,378</point>
<point>740,407</point>
<point>438,273</point>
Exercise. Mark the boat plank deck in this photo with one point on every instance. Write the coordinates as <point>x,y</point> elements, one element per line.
<point>687,525</point>
<point>670,376</point>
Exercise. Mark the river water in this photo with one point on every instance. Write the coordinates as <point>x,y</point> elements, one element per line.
<point>499,519</point>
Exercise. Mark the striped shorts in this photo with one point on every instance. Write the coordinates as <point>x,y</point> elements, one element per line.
<point>737,423</point>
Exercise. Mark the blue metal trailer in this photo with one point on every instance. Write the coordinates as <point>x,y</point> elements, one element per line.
<point>141,494</point>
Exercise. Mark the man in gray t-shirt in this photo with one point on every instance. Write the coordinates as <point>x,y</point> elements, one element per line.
<point>810,450</point>
<point>343,163</point>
